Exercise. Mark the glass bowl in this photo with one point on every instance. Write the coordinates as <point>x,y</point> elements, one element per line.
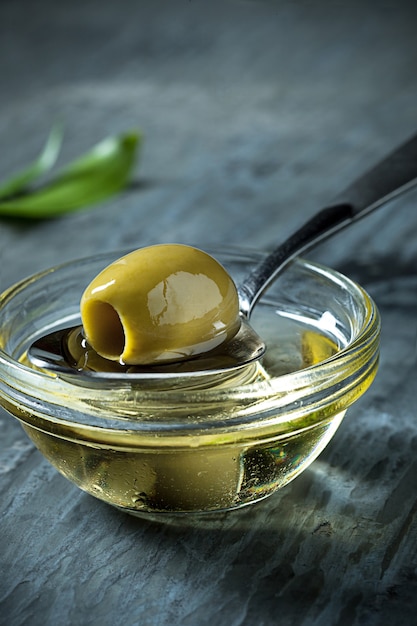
<point>190,444</point>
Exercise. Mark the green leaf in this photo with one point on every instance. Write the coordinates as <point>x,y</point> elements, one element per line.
<point>95,176</point>
<point>19,183</point>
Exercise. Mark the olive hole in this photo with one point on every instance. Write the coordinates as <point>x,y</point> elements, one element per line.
<point>107,335</point>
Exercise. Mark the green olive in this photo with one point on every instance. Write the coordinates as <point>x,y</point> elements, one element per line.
<point>160,303</point>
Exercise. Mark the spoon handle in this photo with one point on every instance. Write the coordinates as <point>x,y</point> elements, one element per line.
<point>394,175</point>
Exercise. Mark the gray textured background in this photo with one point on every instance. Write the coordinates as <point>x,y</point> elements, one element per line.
<point>254,115</point>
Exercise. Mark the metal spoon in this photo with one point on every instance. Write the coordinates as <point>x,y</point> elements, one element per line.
<point>394,175</point>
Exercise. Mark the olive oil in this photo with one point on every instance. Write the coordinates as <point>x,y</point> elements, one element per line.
<point>192,477</point>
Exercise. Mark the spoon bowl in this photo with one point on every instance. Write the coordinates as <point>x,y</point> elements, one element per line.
<point>65,351</point>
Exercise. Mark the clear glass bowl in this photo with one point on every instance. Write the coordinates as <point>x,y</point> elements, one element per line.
<point>186,443</point>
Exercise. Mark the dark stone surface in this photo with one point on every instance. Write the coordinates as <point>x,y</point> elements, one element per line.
<point>254,115</point>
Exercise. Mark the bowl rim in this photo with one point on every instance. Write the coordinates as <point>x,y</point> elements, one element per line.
<point>251,398</point>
